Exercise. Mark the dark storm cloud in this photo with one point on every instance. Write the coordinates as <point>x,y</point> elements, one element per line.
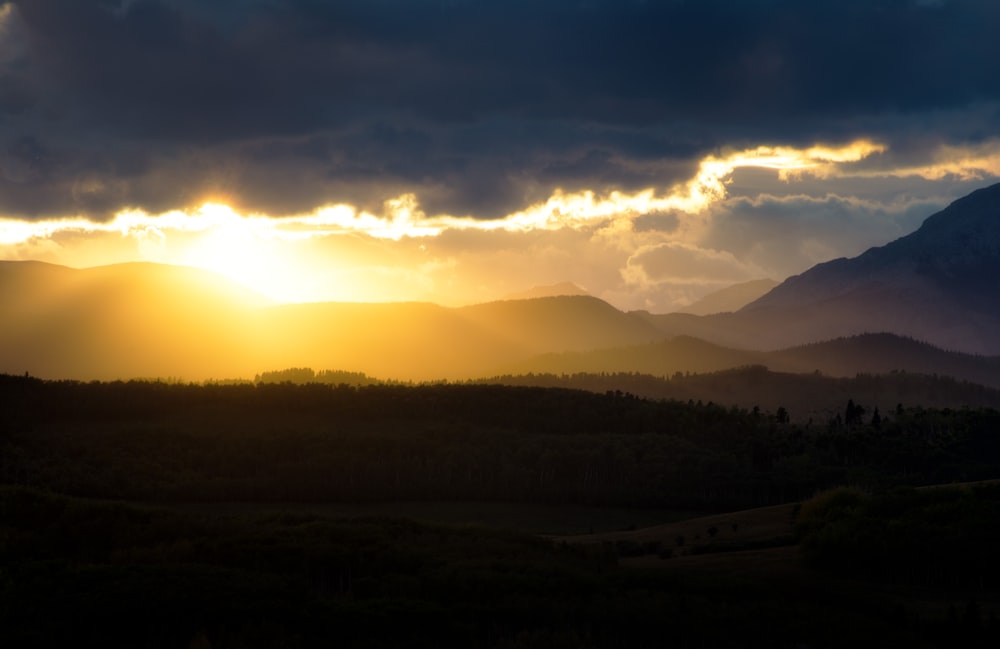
<point>476,106</point>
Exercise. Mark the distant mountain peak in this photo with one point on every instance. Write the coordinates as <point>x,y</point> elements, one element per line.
<point>955,252</point>
<point>964,235</point>
<point>940,283</point>
<point>977,207</point>
<point>548,290</point>
<point>731,298</point>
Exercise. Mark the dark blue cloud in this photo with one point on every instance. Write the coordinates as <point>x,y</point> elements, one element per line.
<point>476,106</point>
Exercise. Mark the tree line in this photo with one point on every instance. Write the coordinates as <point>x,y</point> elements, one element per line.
<point>285,442</point>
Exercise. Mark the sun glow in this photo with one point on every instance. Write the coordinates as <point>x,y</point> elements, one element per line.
<point>285,259</point>
<point>235,247</point>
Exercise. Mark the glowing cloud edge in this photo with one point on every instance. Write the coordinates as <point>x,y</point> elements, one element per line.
<point>404,218</point>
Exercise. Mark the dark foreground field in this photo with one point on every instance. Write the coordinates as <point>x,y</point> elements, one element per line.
<point>150,515</point>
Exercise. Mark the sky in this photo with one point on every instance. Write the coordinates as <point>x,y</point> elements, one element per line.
<point>457,151</point>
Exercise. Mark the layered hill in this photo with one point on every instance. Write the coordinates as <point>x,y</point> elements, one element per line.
<point>421,341</point>
<point>149,320</point>
<point>123,321</point>
<point>842,357</point>
<point>939,285</point>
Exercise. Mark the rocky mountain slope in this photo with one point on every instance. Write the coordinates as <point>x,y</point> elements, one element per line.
<point>940,284</point>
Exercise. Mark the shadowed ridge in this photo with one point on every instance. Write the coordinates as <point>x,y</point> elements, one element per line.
<point>940,284</point>
<point>953,247</point>
<point>880,353</point>
<point>661,358</point>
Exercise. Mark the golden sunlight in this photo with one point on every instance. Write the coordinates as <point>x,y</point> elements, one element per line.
<point>236,247</point>
<point>274,256</point>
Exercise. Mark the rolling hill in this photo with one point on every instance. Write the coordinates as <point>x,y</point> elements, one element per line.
<point>123,321</point>
<point>939,285</point>
<point>149,320</point>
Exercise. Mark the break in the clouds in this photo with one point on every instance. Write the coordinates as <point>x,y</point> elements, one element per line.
<point>648,150</point>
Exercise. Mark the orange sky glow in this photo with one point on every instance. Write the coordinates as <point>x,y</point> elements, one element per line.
<point>339,252</point>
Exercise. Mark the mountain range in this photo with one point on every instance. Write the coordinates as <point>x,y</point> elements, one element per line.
<point>150,320</point>
<point>939,284</point>
<point>938,287</point>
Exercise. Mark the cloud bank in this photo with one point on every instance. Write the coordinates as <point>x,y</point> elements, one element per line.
<point>600,142</point>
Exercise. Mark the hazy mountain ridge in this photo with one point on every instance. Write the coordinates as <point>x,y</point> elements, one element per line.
<point>940,283</point>
<point>123,320</point>
<point>130,320</point>
<point>842,357</point>
<point>549,290</point>
<point>424,341</point>
<point>949,251</point>
<point>148,320</point>
<point>731,298</point>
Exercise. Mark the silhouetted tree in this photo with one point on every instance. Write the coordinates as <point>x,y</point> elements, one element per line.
<point>782,415</point>
<point>853,414</point>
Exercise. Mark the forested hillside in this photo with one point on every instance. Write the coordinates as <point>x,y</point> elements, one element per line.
<point>153,571</point>
<point>806,398</point>
<point>284,442</point>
